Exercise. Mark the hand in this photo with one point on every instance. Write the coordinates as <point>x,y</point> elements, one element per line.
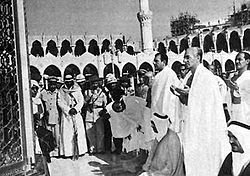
<point>72,111</point>
<point>184,91</point>
<point>231,84</point>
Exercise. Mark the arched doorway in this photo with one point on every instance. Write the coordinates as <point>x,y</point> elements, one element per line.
<point>93,48</point>
<point>208,43</point>
<point>183,44</point>
<point>35,73</point>
<point>221,42</point>
<point>129,69</point>
<point>205,64</point>
<point>218,68</point>
<point>90,70</point>
<point>105,46</point>
<point>229,65</point>
<point>65,48</point>
<point>71,70</point>
<point>80,49</point>
<point>119,45</point>
<point>37,49</point>
<point>173,47</point>
<point>161,48</point>
<point>176,67</point>
<point>110,69</point>
<point>195,42</point>
<point>234,42</point>
<point>246,40</point>
<point>52,70</point>
<point>51,48</point>
<point>146,66</point>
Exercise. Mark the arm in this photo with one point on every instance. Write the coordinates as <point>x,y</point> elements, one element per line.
<point>62,104</point>
<point>79,99</point>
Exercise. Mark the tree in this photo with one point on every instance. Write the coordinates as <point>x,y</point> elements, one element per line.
<point>183,24</point>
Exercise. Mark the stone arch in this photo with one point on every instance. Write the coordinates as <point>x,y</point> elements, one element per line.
<point>173,47</point>
<point>208,43</point>
<point>80,49</point>
<point>234,42</point>
<point>37,49</point>
<point>93,48</point>
<point>90,70</point>
<point>195,42</point>
<point>119,45</point>
<point>183,44</point>
<point>205,64</point>
<point>71,69</point>
<point>176,67</point>
<point>218,67</point>
<point>146,66</point>
<point>35,73</point>
<point>109,69</point>
<point>52,70</point>
<point>246,40</point>
<point>129,69</point>
<point>51,48</point>
<point>221,42</point>
<point>130,50</point>
<point>105,46</point>
<point>161,48</point>
<point>229,65</point>
<point>65,48</point>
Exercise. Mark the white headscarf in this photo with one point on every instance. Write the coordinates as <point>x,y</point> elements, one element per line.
<point>242,132</point>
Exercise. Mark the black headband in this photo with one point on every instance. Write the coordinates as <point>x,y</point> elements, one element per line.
<point>239,124</point>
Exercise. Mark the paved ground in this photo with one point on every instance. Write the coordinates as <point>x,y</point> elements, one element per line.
<point>98,165</point>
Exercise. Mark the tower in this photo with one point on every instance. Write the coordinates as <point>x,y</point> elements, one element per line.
<point>145,18</point>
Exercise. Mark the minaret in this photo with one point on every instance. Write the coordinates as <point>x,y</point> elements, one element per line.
<point>145,19</point>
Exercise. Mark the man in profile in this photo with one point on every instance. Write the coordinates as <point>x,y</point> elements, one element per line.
<point>204,139</point>
<point>237,162</point>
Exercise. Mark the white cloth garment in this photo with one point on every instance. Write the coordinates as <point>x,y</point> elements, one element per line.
<point>66,102</point>
<point>241,111</point>
<point>204,136</point>
<point>164,101</point>
<point>240,160</point>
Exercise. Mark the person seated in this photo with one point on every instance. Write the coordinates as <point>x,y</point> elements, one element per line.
<point>237,162</point>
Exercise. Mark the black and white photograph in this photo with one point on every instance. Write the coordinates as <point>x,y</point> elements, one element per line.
<point>124,87</point>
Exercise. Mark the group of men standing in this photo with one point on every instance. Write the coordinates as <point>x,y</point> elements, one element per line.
<point>182,120</point>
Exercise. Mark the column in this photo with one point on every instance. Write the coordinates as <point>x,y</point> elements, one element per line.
<point>145,19</point>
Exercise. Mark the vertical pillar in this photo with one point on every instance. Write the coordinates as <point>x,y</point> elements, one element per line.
<point>145,19</point>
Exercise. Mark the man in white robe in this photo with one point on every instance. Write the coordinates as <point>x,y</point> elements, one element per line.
<point>163,101</point>
<point>70,100</point>
<point>240,88</point>
<point>204,135</point>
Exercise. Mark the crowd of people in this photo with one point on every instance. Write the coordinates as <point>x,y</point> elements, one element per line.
<point>185,122</point>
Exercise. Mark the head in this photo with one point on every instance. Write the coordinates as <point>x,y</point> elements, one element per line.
<point>69,81</point>
<point>141,75</point>
<point>34,88</point>
<point>212,68</point>
<point>242,61</point>
<point>80,79</point>
<point>183,71</point>
<point>239,135</point>
<point>149,78</point>
<point>111,82</point>
<point>52,84</point>
<point>160,61</point>
<point>192,58</point>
